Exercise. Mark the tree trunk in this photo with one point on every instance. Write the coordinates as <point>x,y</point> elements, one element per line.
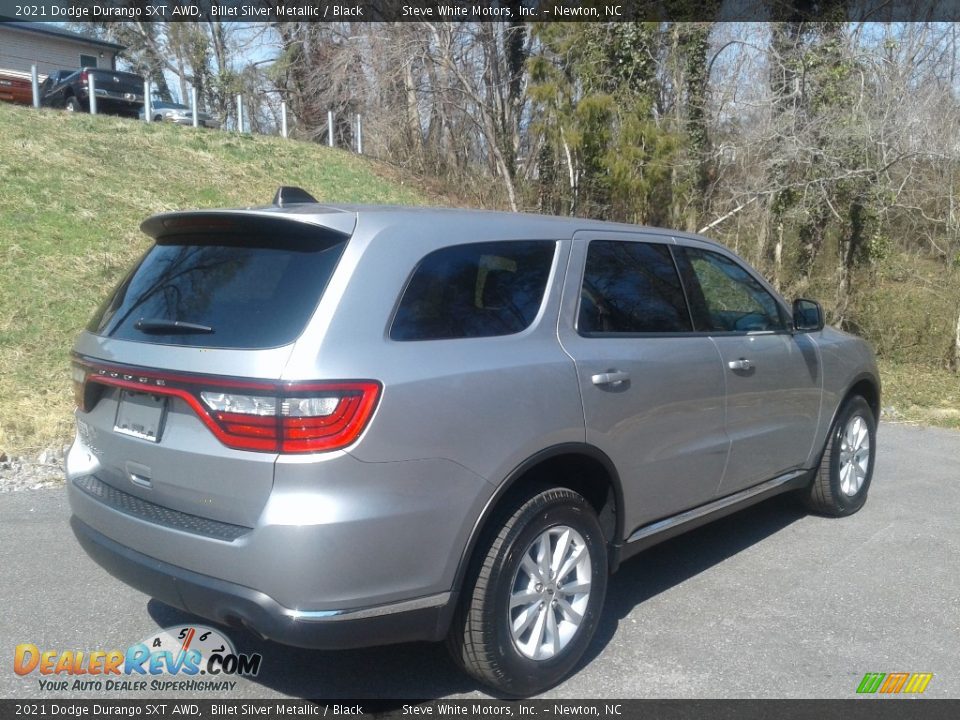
<point>956,346</point>
<point>414,126</point>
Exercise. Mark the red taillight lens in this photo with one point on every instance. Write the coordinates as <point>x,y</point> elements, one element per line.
<point>332,415</point>
<point>292,417</point>
<point>83,77</point>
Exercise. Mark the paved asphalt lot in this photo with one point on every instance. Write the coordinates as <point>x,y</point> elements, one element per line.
<point>769,602</point>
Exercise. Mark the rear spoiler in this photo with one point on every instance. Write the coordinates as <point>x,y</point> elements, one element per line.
<point>288,224</point>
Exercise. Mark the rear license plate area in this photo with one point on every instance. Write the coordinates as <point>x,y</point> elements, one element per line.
<point>140,415</point>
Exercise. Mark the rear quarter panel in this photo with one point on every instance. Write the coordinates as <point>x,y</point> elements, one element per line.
<point>484,403</point>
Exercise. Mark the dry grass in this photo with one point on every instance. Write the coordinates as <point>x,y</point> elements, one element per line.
<point>920,394</point>
<point>73,191</point>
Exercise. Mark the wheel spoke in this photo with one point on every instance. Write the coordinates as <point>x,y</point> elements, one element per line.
<point>536,637</point>
<point>568,611</point>
<point>558,555</point>
<point>543,556</point>
<point>524,597</point>
<point>552,630</point>
<point>531,568</point>
<point>853,429</point>
<point>578,588</point>
<point>525,619</point>
<point>572,559</point>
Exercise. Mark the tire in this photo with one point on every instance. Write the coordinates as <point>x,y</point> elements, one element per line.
<point>842,481</point>
<point>72,105</point>
<point>548,640</point>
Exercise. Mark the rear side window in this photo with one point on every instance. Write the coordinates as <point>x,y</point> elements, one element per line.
<point>474,290</point>
<point>631,287</point>
<point>228,292</point>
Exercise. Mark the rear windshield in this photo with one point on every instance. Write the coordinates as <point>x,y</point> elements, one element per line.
<point>223,292</point>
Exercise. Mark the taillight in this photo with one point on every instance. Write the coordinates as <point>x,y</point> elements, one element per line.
<point>78,376</point>
<point>325,416</point>
<point>83,77</point>
<point>288,417</point>
<point>85,394</point>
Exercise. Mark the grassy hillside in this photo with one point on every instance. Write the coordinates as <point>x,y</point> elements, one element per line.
<point>73,191</point>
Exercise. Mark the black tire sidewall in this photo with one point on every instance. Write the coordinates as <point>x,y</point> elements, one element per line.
<point>528,676</point>
<point>848,504</point>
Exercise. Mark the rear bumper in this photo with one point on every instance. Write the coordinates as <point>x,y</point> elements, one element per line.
<point>113,105</point>
<point>424,618</point>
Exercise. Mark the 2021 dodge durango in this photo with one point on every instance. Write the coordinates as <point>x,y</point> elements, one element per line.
<point>347,426</point>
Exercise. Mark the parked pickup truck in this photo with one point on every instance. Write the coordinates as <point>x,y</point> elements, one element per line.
<point>118,93</point>
<point>15,87</point>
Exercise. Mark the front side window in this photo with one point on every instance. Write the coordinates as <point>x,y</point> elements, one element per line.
<point>475,290</point>
<point>732,299</point>
<point>631,287</point>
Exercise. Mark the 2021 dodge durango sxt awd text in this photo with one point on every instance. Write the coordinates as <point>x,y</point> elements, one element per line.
<point>348,426</point>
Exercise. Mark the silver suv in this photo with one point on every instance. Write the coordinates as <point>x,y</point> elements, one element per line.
<point>348,426</point>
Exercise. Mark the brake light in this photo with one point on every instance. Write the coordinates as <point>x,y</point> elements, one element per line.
<point>287,417</point>
<point>83,77</point>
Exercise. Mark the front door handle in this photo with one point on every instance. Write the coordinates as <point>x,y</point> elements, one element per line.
<point>614,377</point>
<point>741,364</point>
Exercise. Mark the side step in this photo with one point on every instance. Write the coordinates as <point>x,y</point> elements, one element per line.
<point>661,530</point>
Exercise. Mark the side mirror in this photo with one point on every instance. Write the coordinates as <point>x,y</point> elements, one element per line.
<point>807,315</point>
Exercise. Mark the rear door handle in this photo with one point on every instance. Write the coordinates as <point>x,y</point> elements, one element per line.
<point>741,364</point>
<point>613,377</point>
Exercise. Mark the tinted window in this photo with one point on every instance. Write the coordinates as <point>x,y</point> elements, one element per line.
<point>475,290</point>
<point>732,299</point>
<point>249,293</point>
<point>631,287</point>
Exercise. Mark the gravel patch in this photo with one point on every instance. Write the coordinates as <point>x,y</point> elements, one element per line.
<point>44,470</point>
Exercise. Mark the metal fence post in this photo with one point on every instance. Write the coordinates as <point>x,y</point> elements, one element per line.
<point>92,89</point>
<point>193,104</point>
<point>359,136</point>
<point>35,84</point>
<point>283,118</point>
<point>147,102</point>
<point>239,113</point>
<point>330,128</point>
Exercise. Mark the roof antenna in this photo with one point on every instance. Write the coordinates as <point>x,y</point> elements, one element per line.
<point>287,195</point>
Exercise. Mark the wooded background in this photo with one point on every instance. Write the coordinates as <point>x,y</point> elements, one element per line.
<point>825,153</point>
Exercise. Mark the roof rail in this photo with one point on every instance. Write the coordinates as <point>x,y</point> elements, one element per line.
<point>289,195</point>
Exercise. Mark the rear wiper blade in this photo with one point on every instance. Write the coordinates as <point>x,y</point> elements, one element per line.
<point>170,327</point>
